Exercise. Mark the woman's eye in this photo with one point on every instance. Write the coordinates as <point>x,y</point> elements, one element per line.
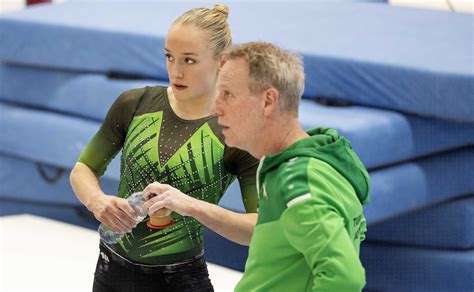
<point>189,61</point>
<point>169,57</point>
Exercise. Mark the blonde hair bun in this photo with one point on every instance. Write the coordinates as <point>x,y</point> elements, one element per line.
<point>213,21</point>
<point>222,8</point>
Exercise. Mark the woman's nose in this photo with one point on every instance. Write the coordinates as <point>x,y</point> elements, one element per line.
<point>176,72</point>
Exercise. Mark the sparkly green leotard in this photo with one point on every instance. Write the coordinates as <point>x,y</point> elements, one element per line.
<point>157,145</point>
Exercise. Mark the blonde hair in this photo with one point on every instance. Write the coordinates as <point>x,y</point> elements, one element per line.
<point>271,66</point>
<point>213,21</point>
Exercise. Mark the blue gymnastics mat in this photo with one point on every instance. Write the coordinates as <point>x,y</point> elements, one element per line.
<point>395,269</point>
<point>50,138</point>
<point>40,183</point>
<point>50,184</point>
<point>411,186</point>
<point>449,225</point>
<point>83,95</point>
<point>369,54</point>
<point>58,140</point>
<point>415,184</point>
<point>380,137</point>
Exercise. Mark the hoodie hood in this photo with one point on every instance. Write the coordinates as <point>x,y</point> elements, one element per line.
<point>325,144</point>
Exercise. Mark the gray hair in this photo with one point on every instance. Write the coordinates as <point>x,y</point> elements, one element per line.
<point>271,66</point>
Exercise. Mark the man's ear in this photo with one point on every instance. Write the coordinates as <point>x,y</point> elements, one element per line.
<point>271,97</point>
<point>223,59</point>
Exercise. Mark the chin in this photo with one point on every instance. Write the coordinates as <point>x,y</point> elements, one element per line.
<point>227,141</point>
<point>179,95</point>
<point>235,145</point>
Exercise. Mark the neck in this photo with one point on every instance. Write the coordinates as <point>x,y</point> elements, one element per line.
<point>280,135</point>
<point>191,109</point>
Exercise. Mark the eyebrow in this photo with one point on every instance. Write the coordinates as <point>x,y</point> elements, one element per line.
<point>186,54</point>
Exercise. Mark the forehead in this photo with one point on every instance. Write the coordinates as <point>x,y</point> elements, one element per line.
<point>187,39</point>
<point>234,73</point>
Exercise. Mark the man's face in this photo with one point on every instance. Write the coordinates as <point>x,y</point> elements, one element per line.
<point>239,112</point>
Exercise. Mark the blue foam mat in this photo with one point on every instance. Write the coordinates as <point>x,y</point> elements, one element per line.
<point>58,140</point>
<point>394,269</point>
<point>415,184</point>
<point>86,95</point>
<point>50,184</point>
<point>411,186</point>
<point>380,137</point>
<point>50,138</point>
<point>360,55</point>
<point>449,225</point>
<point>40,183</point>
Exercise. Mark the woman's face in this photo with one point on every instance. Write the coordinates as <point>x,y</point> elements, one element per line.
<point>191,63</point>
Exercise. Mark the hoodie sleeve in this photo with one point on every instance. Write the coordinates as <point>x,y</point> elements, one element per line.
<point>314,225</point>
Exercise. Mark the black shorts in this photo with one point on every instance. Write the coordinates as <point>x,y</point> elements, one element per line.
<point>114,273</point>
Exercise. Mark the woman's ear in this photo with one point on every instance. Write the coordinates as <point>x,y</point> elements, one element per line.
<point>271,98</point>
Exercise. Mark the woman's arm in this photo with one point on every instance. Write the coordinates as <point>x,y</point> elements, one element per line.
<point>114,212</point>
<point>232,225</point>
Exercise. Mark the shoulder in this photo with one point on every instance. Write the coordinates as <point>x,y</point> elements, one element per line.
<point>295,168</point>
<point>240,162</point>
<point>146,99</point>
<point>132,94</point>
<point>128,99</point>
<point>296,178</point>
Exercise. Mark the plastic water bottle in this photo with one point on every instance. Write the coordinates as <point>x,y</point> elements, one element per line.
<point>135,201</point>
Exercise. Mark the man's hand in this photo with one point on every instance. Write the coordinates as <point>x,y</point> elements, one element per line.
<point>114,212</point>
<point>159,196</point>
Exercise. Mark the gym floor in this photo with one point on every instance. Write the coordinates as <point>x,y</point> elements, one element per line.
<point>40,254</point>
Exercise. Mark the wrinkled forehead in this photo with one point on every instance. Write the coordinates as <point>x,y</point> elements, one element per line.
<point>234,74</point>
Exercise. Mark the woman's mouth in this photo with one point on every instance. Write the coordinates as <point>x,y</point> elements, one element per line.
<point>179,86</point>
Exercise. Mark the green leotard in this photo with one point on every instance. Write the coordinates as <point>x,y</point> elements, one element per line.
<point>159,146</point>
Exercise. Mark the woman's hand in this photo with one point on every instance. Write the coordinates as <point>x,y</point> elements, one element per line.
<point>114,212</point>
<point>159,196</point>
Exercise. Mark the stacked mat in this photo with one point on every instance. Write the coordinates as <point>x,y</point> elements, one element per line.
<point>400,91</point>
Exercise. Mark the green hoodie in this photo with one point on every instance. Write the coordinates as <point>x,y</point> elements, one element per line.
<point>310,222</point>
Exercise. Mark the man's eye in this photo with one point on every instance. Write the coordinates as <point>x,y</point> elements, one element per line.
<point>189,61</point>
